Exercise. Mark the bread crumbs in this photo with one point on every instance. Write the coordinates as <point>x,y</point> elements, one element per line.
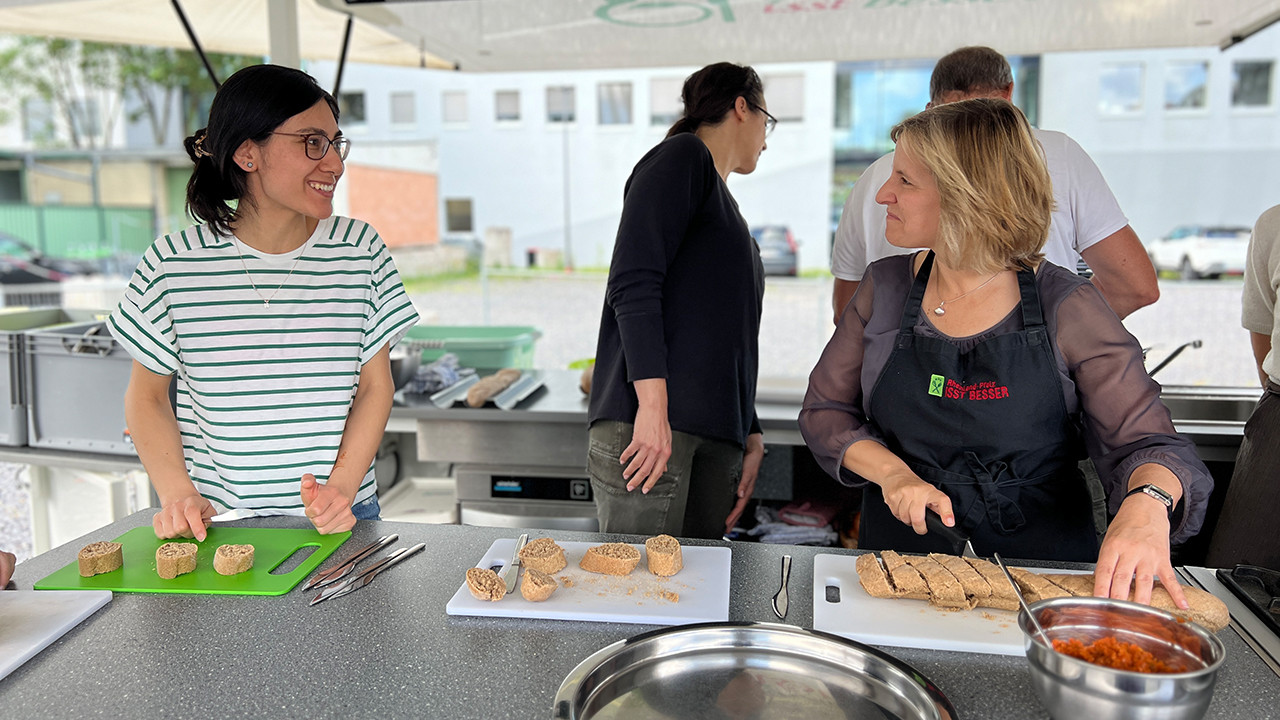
<point>669,596</point>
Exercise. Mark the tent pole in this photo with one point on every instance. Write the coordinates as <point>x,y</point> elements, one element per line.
<point>195,42</point>
<point>283,33</point>
<point>342,56</point>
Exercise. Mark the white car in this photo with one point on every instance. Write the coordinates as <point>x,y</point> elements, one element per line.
<point>1195,251</point>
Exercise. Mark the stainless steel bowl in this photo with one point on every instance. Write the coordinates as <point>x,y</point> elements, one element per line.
<point>727,670</point>
<point>1072,688</point>
<point>404,364</point>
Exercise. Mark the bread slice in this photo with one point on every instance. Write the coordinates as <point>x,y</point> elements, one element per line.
<point>485,584</point>
<point>1002,594</point>
<point>873,577</point>
<point>664,556</point>
<point>610,559</point>
<point>1035,587</point>
<point>100,557</point>
<point>176,558</point>
<point>544,555</point>
<point>233,559</point>
<point>537,585</point>
<point>906,580</point>
<point>944,589</point>
<point>1205,609</point>
<point>976,588</point>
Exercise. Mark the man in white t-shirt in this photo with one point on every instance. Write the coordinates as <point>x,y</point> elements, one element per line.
<point>1086,222</point>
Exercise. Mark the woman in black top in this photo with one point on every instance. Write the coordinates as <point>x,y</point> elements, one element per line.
<point>672,410</point>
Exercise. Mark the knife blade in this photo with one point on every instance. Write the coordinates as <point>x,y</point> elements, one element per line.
<point>511,573</point>
<point>331,576</point>
<point>367,575</point>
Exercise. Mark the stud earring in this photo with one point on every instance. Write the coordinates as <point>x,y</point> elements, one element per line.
<point>249,165</point>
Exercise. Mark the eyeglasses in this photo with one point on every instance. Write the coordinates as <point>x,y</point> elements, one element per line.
<point>770,122</point>
<point>316,144</point>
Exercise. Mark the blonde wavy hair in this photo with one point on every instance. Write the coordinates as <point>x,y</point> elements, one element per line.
<point>995,195</point>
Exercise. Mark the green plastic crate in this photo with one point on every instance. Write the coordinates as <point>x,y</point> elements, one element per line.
<point>485,347</point>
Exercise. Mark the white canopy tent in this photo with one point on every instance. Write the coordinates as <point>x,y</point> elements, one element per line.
<point>494,35</point>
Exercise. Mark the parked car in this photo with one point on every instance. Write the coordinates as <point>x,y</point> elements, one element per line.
<point>20,264</point>
<point>1195,251</point>
<point>777,249</point>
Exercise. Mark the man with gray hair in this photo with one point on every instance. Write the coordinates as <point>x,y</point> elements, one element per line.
<point>1086,221</point>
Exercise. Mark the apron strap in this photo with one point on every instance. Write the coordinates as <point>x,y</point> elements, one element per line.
<point>911,310</point>
<point>1032,313</point>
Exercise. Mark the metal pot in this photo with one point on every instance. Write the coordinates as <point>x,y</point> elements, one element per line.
<point>727,670</point>
<point>404,364</point>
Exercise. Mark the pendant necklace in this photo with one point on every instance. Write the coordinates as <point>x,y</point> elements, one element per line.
<point>939,311</point>
<point>266,301</point>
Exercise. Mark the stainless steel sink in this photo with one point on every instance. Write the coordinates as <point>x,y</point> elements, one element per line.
<point>1195,404</point>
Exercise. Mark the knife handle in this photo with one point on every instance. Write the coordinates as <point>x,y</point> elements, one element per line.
<point>951,535</point>
<point>390,561</point>
<point>347,566</point>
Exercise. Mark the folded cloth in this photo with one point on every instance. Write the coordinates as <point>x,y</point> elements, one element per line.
<point>808,513</point>
<point>438,375</point>
<point>770,530</point>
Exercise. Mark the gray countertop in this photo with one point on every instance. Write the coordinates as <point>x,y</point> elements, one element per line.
<point>390,650</point>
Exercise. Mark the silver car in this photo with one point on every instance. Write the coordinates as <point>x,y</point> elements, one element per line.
<point>777,249</point>
<point>1196,251</point>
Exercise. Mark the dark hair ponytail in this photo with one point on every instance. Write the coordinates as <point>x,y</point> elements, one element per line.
<point>249,106</point>
<point>711,92</point>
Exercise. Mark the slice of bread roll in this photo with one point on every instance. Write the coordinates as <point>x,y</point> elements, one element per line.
<point>544,555</point>
<point>485,584</point>
<point>176,558</point>
<point>610,559</point>
<point>664,556</point>
<point>100,557</point>
<point>976,588</point>
<point>233,559</point>
<point>1034,587</point>
<point>944,589</point>
<point>1205,609</point>
<point>872,576</point>
<point>537,585</point>
<point>906,581</point>
<point>1002,594</point>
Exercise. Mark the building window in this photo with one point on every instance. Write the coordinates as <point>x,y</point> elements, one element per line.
<point>457,214</point>
<point>453,107</point>
<point>665,106</point>
<point>560,102</point>
<point>351,107</point>
<point>784,95</point>
<point>506,105</point>
<point>1185,85</point>
<point>615,103</point>
<point>86,121</point>
<point>1120,88</point>
<point>404,110</point>
<point>1251,83</point>
<point>37,121</point>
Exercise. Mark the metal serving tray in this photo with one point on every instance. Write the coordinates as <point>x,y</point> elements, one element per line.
<point>717,670</point>
<point>456,394</point>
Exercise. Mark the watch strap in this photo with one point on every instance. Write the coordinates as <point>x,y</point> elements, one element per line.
<point>1156,492</point>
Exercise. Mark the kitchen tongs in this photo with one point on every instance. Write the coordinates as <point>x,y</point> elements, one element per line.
<point>343,570</point>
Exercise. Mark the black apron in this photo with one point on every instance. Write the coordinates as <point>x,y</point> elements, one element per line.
<point>988,427</point>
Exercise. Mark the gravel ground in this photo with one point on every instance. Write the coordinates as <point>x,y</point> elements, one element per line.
<point>796,326</point>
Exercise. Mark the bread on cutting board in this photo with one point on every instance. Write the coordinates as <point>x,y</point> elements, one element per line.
<point>233,559</point>
<point>663,555</point>
<point>610,559</point>
<point>537,585</point>
<point>100,557</point>
<point>485,584</point>
<point>176,558</point>
<point>543,554</point>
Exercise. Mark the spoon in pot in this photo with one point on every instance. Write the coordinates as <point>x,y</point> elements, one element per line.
<point>1022,601</point>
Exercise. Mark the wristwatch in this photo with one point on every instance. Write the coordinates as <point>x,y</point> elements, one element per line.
<point>1156,492</point>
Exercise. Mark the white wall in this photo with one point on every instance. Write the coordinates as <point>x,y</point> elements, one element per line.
<point>515,172</point>
<point>1219,164</point>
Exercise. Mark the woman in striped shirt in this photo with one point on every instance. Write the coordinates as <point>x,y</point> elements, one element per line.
<point>275,316</point>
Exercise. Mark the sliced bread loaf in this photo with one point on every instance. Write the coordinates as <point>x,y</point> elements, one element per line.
<point>176,558</point>
<point>537,585</point>
<point>485,584</point>
<point>543,554</point>
<point>100,557</point>
<point>1204,609</point>
<point>610,559</point>
<point>233,559</point>
<point>664,556</point>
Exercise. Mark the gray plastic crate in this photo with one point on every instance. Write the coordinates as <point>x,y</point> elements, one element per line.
<point>76,378</point>
<point>14,322</point>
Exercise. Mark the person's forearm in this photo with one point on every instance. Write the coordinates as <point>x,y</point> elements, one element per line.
<point>1261,348</point>
<point>154,431</point>
<point>652,394</point>
<point>874,462</point>
<point>1122,272</point>
<point>1158,475</point>
<point>841,293</point>
<point>366,424</point>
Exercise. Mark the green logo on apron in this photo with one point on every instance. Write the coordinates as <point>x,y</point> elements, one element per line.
<point>935,385</point>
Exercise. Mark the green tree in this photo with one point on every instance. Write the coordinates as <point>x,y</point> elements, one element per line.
<point>156,76</point>
<point>78,81</point>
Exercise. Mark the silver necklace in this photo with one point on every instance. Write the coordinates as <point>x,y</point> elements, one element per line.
<point>939,311</point>
<point>266,301</point>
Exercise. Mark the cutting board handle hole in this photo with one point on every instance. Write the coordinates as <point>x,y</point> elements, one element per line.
<point>296,558</point>
<point>833,594</point>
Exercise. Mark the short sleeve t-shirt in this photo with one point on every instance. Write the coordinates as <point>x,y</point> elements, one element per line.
<point>267,350</point>
<point>1261,280</point>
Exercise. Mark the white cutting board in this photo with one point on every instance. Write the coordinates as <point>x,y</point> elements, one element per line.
<point>907,623</point>
<point>702,588</point>
<point>32,619</point>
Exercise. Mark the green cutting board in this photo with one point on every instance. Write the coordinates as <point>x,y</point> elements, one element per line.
<point>271,547</point>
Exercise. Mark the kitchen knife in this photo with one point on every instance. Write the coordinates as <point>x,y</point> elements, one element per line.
<point>344,569</point>
<point>959,542</point>
<point>511,573</point>
<point>367,576</point>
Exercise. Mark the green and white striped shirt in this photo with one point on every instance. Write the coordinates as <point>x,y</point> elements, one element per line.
<point>263,388</point>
